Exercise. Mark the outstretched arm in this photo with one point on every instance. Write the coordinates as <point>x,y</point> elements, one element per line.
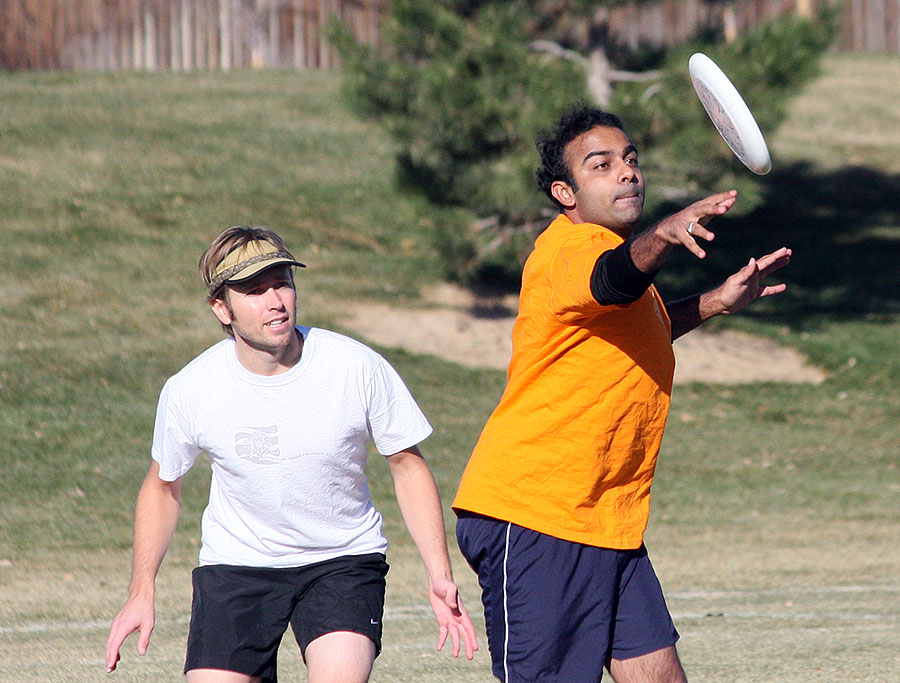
<point>622,275</point>
<point>739,290</point>
<point>155,518</point>
<point>420,504</point>
<point>650,249</point>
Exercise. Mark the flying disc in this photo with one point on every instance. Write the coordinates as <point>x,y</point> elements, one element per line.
<point>729,113</point>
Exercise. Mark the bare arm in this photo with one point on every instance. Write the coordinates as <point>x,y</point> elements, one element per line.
<point>420,504</point>
<point>155,518</point>
<point>739,290</point>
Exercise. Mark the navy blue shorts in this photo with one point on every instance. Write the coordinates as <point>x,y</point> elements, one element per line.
<point>557,610</point>
<point>239,614</point>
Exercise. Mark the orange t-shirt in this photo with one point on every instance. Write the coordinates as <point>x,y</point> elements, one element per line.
<point>571,448</point>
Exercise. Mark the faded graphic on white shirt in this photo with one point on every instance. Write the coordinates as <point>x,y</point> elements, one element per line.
<point>258,444</point>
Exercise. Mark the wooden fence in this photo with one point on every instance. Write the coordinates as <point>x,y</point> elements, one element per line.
<point>178,35</point>
<point>865,25</point>
<point>872,25</point>
<point>112,35</point>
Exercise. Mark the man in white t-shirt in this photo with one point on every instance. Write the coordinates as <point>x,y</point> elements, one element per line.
<point>290,535</point>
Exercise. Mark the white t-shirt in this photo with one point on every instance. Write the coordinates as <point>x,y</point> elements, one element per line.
<point>288,452</point>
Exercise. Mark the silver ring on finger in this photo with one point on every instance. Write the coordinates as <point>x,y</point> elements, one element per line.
<point>690,228</point>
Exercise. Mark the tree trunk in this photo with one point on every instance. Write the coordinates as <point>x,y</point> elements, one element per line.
<point>598,81</point>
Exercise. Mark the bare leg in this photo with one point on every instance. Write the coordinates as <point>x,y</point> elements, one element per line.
<point>218,676</point>
<point>340,657</point>
<point>662,666</point>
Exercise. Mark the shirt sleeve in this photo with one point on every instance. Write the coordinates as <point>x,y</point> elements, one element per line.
<point>173,448</point>
<point>570,271</point>
<point>616,279</point>
<point>395,419</point>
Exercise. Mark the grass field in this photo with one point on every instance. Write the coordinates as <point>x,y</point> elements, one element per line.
<point>776,518</point>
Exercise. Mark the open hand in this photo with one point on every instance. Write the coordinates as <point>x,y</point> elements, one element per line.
<point>452,618</point>
<point>689,224</point>
<point>746,286</point>
<point>136,615</point>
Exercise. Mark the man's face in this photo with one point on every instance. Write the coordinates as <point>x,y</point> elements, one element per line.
<point>609,182</point>
<point>261,311</point>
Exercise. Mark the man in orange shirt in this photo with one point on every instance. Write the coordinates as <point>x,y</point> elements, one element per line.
<point>554,502</point>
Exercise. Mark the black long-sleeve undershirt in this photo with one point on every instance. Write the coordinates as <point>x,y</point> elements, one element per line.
<point>616,280</point>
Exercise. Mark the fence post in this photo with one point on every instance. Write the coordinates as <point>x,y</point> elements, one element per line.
<point>324,16</point>
<point>225,35</point>
<point>299,42</point>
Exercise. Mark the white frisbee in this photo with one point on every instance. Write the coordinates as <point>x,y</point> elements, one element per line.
<point>729,113</point>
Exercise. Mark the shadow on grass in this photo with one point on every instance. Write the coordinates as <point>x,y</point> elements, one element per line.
<point>844,229</point>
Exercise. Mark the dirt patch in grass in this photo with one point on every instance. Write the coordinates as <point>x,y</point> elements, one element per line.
<point>456,325</point>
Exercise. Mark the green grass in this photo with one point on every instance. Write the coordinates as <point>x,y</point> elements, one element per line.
<point>111,187</point>
<point>775,525</point>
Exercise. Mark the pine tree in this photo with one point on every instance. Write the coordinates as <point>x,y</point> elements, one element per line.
<point>464,86</point>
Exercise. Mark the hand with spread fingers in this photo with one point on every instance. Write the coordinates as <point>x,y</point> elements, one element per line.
<point>689,224</point>
<point>745,286</point>
<point>740,289</point>
<point>452,618</point>
<point>650,249</point>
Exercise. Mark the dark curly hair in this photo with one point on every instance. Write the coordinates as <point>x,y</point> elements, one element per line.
<point>551,143</point>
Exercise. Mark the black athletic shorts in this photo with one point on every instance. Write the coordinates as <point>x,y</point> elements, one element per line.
<point>239,614</point>
<point>557,611</point>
